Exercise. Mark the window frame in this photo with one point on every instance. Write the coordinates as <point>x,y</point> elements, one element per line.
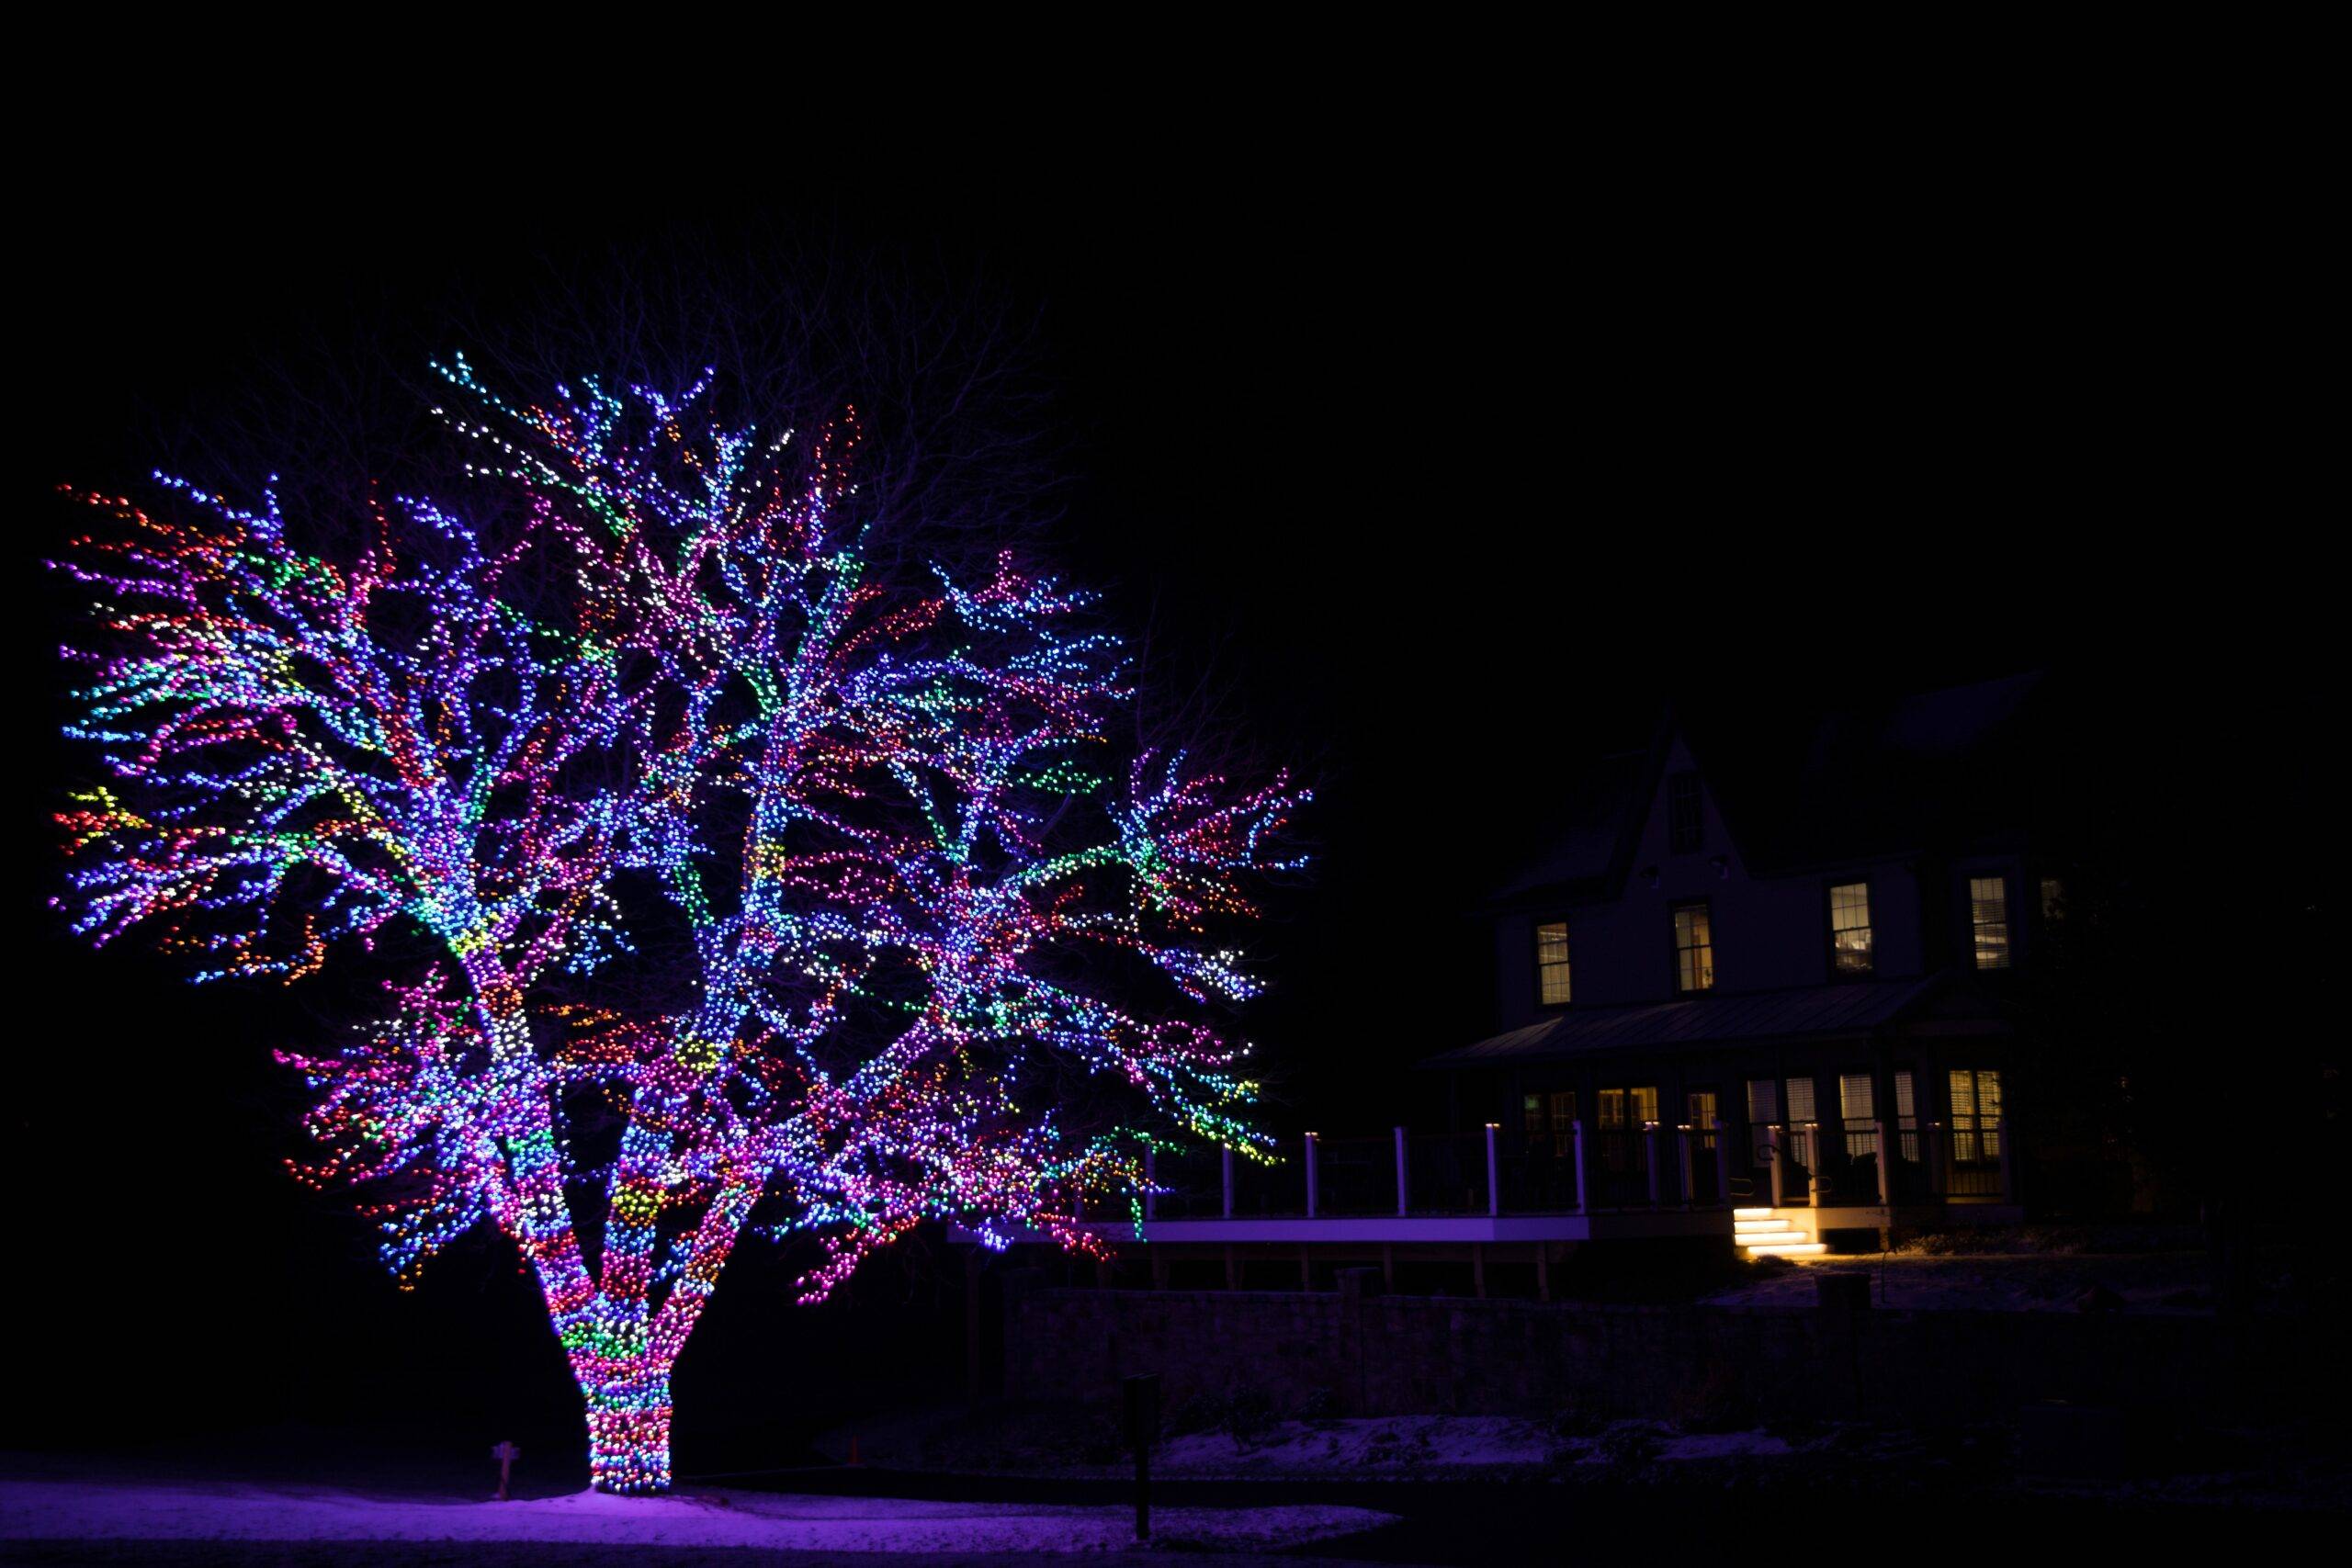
<point>1674,842</point>
<point>1568,944</point>
<point>1829,891</point>
<point>1675,948</point>
<point>2008,924</point>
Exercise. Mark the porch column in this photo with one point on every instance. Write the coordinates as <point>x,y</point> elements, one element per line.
<point>1227,1152</point>
<point>1656,1142</point>
<point>1577,1146</point>
<point>1887,1149</point>
<point>1404,1189</point>
<point>1311,1193</point>
<point>1682,1148</point>
<point>1723,1162</point>
<point>1152,1184</point>
<point>1494,1174</point>
<point>1779,1163</point>
<point>1812,1165</point>
<point>2008,1163</point>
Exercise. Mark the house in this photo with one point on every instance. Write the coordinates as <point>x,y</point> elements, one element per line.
<point>1772,971</point>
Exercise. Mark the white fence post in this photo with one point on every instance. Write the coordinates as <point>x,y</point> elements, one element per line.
<point>1494,1171</point>
<point>1228,1180</point>
<point>1152,1184</point>
<point>1579,1157</point>
<point>1310,1176</point>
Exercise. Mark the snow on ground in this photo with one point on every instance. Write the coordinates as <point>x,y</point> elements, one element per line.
<point>1407,1443</point>
<point>48,1510</point>
<point>2155,1282</point>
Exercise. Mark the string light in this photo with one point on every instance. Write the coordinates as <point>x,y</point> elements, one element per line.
<point>924,892</point>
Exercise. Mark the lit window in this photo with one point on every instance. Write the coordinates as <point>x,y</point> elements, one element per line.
<point>1686,829</point>
<point>1552,963</point>
<point>1629,1108</point>
<point>1564,1121</point>
<point>1975,1114</point>
<point>1800,1102</point>
<point>1694,949</point>
<point>1530,1110</point>
<point>1849,928</point>
<point>1988,920</point>
<point>1856,1098</point>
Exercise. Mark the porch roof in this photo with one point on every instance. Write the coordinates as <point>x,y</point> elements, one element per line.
<point>1853,1008</point>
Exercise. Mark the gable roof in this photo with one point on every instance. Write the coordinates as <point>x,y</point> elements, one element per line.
<point>1948,766</point>
<point>1810,1012</point>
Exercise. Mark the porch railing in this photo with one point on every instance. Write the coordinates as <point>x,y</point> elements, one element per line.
<point>1582,1170</point>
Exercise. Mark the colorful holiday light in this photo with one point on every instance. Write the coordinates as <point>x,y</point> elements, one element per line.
<point>923,892</point>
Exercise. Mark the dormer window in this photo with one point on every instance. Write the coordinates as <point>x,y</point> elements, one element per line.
<point>1694,949</point>
<point>1552,963</point>
<point>1686,829</point>
<point>1988,921</point>
<point>1850,929</point>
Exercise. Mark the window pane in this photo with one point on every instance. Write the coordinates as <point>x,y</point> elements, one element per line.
<point>1686,829</point>
<point>1552,963</point>
<point>1531,1109</point>
<point>1988,915</point>
<point>1645,1105</point>
<point>1699,1107</point>
<point>1694,951</point>
<point>1801,1100</point>
<point>1613,1108</point>
<point>1763,1100</point>
<point>1856,1098</point>
<point>1849,928</point>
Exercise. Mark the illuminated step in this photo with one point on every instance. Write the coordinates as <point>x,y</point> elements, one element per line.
<point>1788,1250</point>
<point>1771,1237</point>
<point>1751,1213</point>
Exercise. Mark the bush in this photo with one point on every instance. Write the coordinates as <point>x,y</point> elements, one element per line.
<point>1714,1403</point>
<point>1572,1424</point>
<point>1323,1405</point>
<point>1630,1444</point>
<point>1248,1415</point>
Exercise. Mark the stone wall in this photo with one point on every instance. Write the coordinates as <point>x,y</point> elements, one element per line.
<point>1400,1355</point>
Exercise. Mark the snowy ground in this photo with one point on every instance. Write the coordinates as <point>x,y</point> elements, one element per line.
<point>1403,1444</point>
<point>55,1510</point>
<point>2163,1282</point>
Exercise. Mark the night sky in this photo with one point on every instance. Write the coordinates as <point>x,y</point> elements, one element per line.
<point>1447,468</point>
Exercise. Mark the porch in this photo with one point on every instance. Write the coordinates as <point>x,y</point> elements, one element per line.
<point>1326,1201</point>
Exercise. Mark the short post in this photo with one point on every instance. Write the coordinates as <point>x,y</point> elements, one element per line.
<point>1812,1165</point>
<point>1723,1162</point>
<point>1139,1408</point>
<point>1777,1158</point>
<point>2008,1161</point>
<point>1494,1176</point>
<point>1655,1139</point>
<point>1228,1180</point>
<point>1403,1191</point>
<point>505,1454</point>
<point>1152,1184</point>
<point>1310,1175</point>
<point>1682,1141</point>
<point>1578,1146</point>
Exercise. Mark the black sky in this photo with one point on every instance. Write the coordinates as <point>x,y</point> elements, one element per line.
<point>1452,455</point>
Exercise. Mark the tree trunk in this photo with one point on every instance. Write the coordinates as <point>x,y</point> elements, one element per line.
<point>628,1431</point>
